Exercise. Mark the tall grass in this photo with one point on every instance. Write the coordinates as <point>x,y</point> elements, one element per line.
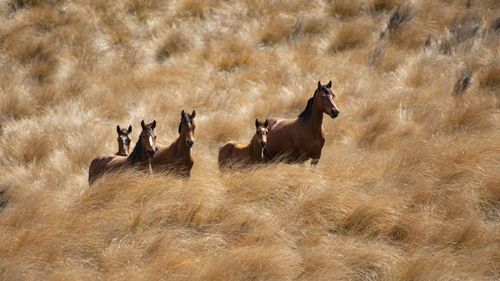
<point>407,187</point>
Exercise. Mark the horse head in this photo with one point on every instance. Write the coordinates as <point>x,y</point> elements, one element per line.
<point>323,99</point>
<point>123,140</point>
<point>261,132</point>
<point>148,138</point>
<point>187,127</point>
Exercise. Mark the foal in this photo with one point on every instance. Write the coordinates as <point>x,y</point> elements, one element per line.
<point>235,153</point>
<point>177,156</point>
<point>123,140</point>
<point>140,157</point>
<point>302,138</point>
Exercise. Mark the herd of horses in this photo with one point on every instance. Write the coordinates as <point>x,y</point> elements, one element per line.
<point>276,139</point>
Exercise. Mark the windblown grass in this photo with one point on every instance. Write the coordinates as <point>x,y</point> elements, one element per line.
<point>407,187</point>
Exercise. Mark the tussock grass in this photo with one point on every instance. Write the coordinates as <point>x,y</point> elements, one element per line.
<point>351,35</point>
<point>345,9</point>
<point>407,186</point>
<point>277,29</point>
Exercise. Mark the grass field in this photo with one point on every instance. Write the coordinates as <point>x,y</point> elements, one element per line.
<point>407,188</point>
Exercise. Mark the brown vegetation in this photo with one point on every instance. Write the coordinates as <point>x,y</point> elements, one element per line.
<point>407,187</point>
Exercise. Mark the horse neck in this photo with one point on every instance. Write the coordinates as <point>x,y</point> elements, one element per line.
<point>315,120</point>
<point>139,153</point>
<point>182,148</point>
<point>121,150</point>
<point>256,150</point>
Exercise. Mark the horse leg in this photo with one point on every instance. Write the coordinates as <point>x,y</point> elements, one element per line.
<point>314,161</point>
<point>150,168</point>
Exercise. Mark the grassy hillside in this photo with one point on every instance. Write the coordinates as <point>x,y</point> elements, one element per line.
<point>407,188</point>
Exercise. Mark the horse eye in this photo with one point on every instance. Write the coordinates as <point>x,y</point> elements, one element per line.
<point>155,137</point>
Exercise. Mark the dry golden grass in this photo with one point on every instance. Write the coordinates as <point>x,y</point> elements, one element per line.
<point>351,35</point>
<point>345,8</point>
<point>407,187</point>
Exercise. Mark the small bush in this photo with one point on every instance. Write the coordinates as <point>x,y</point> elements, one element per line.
<point>460,32</point>
<point>401,15</point>
<point>463,82</point>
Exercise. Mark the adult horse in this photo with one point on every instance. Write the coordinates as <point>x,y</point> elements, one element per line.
<point>123,140</point>
<point>302,138</point>
<point>140,157</point>
<point>235,153</point>
<point>176,157</point>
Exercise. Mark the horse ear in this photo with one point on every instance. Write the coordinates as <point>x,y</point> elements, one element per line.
<point>143,125</point>
<point>266,123</point>
<point>329,85</point>
<point>257,123</point>
<point>118,129</point>
<point>183,115</point>
<point>319,84</point>
<point>153,125</point>
<point>129,129</point>
<point>193,115</point>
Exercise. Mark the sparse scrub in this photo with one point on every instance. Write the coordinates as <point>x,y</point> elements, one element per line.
<point>405,30</point>
<point>463,82</point>
<point>400,15</point>
<point>460,33</point>
<point>407,187</point>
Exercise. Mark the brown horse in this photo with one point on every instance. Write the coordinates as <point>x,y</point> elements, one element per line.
<point>140,157</point>
<point>123,140</point>
<point>302,138</point>
<point>235,153</point>
<point>176,157</point>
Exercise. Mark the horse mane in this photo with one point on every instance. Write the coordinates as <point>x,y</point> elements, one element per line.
<point>135,156</point>
<point>308,110</point>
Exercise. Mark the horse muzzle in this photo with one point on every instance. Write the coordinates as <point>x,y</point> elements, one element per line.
<point>334,113</point>
<point>151,153</point>
<point>263,143</point>
<point>189,143</point>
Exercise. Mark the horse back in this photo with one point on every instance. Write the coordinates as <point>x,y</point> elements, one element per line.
<point>282,137</point>
<point>225,153</point>
<point>99,165</point>
<point>168,159</point>
<point>162,155</point>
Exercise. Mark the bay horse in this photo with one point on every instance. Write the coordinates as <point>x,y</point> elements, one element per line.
<point>176,157</point>
<point>123,140</point>
<point>140,157</point>
<point>235,153</point>
<point>302,138</point>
